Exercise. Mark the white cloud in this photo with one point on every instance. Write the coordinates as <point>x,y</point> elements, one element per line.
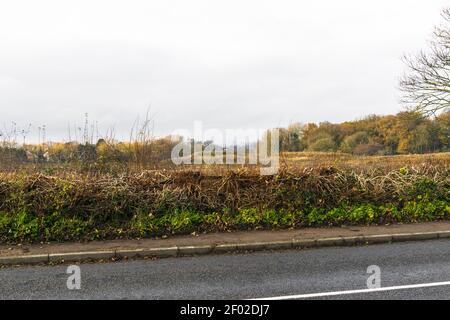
<point>228,63</point>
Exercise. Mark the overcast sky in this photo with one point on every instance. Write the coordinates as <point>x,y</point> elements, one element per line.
<point>230,64</point>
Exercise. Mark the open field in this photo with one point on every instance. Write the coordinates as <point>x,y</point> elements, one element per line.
<point>363,163</point>
<point>311,189</point>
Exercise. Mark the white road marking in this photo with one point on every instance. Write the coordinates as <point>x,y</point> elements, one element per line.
<point>338,293</point>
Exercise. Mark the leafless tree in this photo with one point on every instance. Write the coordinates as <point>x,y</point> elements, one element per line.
<point>426,86</point>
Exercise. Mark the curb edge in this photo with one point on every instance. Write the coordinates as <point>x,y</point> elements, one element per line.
<point>179,251</point>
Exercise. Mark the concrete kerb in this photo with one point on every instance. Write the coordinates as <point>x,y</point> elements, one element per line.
<point>444,234</point>
<point>28,259</point>
<point>177,251</point>
<point>165,252</point>
<point>80,256</point>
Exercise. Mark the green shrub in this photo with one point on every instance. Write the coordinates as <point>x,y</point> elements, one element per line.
<point>75,207</point>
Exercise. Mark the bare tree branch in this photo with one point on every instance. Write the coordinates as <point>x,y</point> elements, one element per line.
<point>426,87</point>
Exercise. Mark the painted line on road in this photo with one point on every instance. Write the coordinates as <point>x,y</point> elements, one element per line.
<point>347,292</point>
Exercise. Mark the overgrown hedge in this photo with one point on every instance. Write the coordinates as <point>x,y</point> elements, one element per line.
<point>76,207</point>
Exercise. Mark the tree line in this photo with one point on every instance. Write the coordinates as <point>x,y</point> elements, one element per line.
<point>404,133</point>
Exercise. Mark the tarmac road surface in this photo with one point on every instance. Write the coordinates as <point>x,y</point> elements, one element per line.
<point>283,274</point>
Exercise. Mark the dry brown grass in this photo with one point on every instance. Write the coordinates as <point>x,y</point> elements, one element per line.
<point>363,163</point>
<point>68,205</point>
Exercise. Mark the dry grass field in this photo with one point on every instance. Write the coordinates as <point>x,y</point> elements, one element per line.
<point>362,163</point>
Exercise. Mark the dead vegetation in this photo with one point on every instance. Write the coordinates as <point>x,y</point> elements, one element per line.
<point>310,189</point>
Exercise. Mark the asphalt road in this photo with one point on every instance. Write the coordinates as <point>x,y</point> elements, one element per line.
<point>246,276</point>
